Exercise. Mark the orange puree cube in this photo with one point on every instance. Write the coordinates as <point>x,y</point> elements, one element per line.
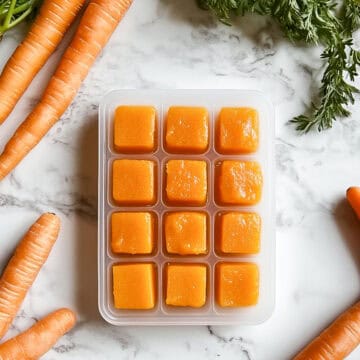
<point>187,130</point>
<point>186,182</point>
<point>237,284</point>
<point>134,286</point>
<point>186,233</point>
<point>238,233</point>
<point>134,182</point>
<point>186,285</point>
<point>134,129</point>
<point>237,131</point>
<point>239,183</point>
<point>132,232</point>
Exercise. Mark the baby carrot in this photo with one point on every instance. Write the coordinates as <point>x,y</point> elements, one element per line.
<point>40,338</point>
<point>353,196</point>
<point>338,340</point>
<point>45,34</point>
<point>96,26</point>
<point>25,265</point>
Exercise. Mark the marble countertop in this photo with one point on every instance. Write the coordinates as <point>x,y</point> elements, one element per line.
<point>171,44</point>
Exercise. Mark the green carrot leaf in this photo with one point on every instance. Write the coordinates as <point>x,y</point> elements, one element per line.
<point>13,12</point>
<point>313,22</point>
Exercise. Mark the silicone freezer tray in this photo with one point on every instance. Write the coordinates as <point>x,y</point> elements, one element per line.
<point>211,313</point>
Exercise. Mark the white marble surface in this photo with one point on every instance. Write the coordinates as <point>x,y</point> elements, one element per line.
<point>171,44</point>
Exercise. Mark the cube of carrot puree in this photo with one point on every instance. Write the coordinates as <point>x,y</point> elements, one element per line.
<point>134,182</point>
<point>132,232</point>
<point>186,182</point>
<point>237,131</point>
<point>134,286</point>
<point>238,233</point>
<point>186,233</point>
<point>134,129</point>
<point>237,284</point>
<point>187,130</point>
<point>186,285</point>
<point>239,182</point>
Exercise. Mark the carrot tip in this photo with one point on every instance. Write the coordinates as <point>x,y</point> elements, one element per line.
<point>353,197</point>
<point>51,215</point>
<point>71,314</point>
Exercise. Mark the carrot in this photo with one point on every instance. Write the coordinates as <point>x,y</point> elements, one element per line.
<point>353,196</point>
<point>338,340</point>
<point>25,265</point>
<point>97,24</point>
<point>48,29</point>
<point>40,338</point>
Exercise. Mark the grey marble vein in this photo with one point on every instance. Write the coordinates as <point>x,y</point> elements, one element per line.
<point>171,44</point>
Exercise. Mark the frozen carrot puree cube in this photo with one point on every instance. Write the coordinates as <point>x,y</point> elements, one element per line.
<point>134,129</point>
<point>238,233</point>
<point>134,182</point>
<point>186,233</point>
<point>187,130</point>
<point>132,232</point>
<point>134,286</point>
<point>237,284</point>
<point>186,285</point>
<point>237,131</point>
<point>186,182</point>
<point>239,182</point>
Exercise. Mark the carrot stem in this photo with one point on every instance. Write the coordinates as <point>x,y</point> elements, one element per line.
<point>18,20</point>
<point>10,13</point>
<point>21,8</point>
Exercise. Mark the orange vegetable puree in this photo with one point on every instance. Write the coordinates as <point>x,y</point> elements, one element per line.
<point>132,232</point>
<point>134,182</point>
<point>186,182</point>
<point>186,220</point>
<point>186,285</point>
<point>239,182</point>
<point>238,233</point>
<point>134,129</point>
<point>187,130</point>
<point>185,233</point>
<point>237,131</point>
<point>237,284</point>
<point>134,286</point>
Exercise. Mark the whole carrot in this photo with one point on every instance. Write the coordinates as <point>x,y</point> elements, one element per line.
<point>40,338</point>
<point>97,24</point>
<point>353,196</point>
<point>338,340</point>
<point>45,34</point>
<point>25,265</point>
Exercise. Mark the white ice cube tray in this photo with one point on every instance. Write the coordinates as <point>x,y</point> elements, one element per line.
<point>211,313</point>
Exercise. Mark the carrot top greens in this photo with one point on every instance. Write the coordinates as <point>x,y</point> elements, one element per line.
<point>13,12</point>
<point>315,22</point>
